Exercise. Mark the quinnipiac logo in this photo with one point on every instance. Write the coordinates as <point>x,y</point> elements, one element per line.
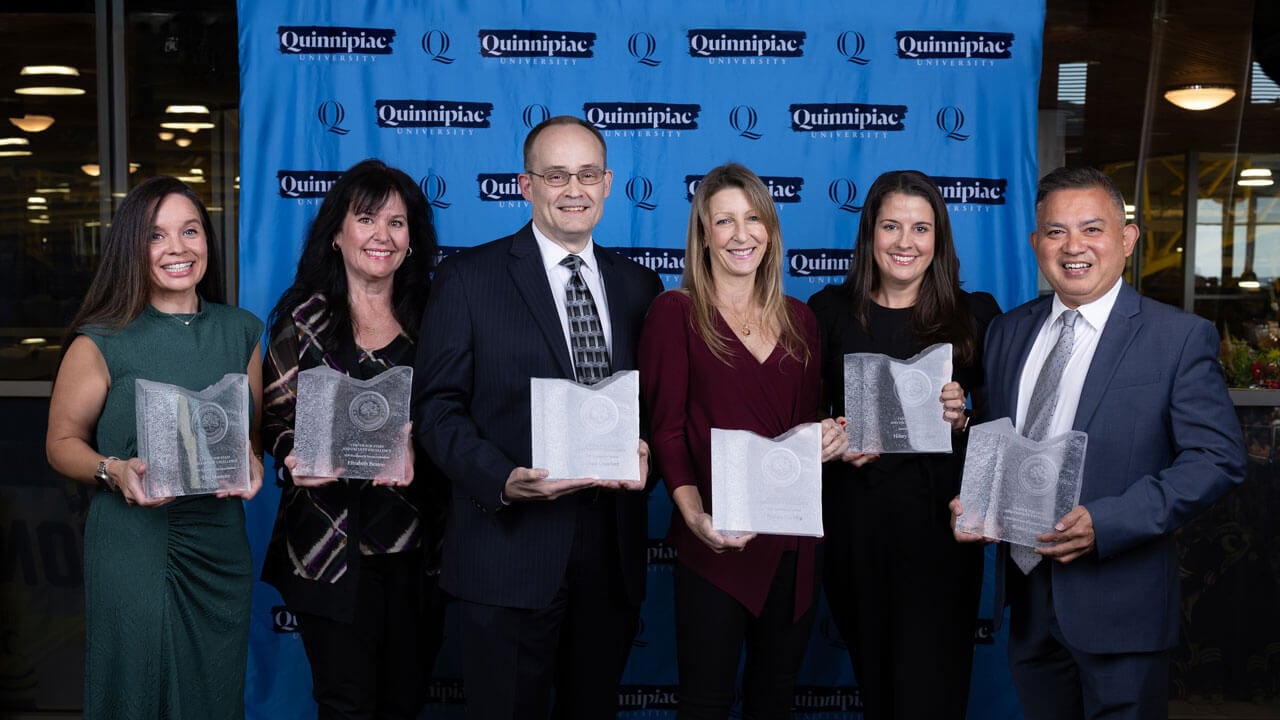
<point>434,187</point>
<point>499,187</point>
<point>950,121</point>
<point>639,190</point>
<point>323,40</point>
<point>283,620</point>
<point>782,188</point>
<point>658,553</point>
<point>819,262</point>
<point>664,261</point>
<point>819,699</point>
<point>947,44</point>
<point>972,190</point>
<point>432,113</point>
<point>641,115</point>
<point>743,119</point>
<point>843,192</point>
<point>642,46</point>
<point>534,114</point>
<point>331,114</point>
<point>536,43</point>
<point>435,43</point>
<point>632,698</point>
<point>819,117</point>
<point>723,42</point>
<point>296,184</point>
<point>851,44</point>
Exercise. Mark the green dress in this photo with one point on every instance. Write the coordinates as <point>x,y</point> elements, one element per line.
<point>167,589</point>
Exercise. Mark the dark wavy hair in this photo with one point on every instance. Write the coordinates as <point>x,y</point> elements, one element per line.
<point>121,288</point>
<point>364,188</point>
<point>938,314</point>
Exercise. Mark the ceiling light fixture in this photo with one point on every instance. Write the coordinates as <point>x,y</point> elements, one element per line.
<point>91,169</point>
<point>15,153</point>
<point>165,136</point>
<point>188,117</point>
<point>1199,96</point>
<point>182,142</point>
<point>32,123</point>
<point>14,141</point>
<point>49,70</point>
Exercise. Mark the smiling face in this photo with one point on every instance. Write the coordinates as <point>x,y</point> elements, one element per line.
<point>373,244</point>
<point>179,253</point>
<point>737,237</point>
<point>569,213</point>
<point>904,236</point>
<point>1081,242</point>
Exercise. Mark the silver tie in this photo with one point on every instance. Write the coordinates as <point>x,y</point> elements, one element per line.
<point>1044,400</point>
<point>586,334</point>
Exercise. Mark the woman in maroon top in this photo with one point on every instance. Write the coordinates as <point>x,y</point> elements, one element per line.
<point>729,350</point>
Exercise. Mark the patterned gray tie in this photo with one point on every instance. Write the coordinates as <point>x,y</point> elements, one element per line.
<point>1044,400</point>
<point>586,334</point>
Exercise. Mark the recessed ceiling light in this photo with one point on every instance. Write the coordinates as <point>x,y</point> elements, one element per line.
<point>32,123</point>
<point>49,70</point>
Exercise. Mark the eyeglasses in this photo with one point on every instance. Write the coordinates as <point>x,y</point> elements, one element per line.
<point>560,178</point>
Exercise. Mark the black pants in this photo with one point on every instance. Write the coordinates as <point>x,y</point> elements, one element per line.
<point>513,658</point>
<point>378,665</point>
<point>711,629</point>
<point>904,594</point>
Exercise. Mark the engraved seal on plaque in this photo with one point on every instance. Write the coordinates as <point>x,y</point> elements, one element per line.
<point>369,411</point>
<point>781,467</point>
<point>913,387</point>
<point>1038,475</point>
<point>599,415</point>
<point>212,421</point>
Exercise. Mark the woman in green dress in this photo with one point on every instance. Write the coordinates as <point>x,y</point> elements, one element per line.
<point>167,581</point>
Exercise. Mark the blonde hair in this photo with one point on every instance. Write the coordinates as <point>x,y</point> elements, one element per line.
<point>699,284</point>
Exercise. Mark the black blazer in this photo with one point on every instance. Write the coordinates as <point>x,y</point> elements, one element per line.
<point>491,324</point>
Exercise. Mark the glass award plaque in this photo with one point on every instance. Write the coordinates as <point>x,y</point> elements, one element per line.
<point>587,431</point>
<point>351,428</point>
<point>767,485</point>
<point>193,443</point>
<point>1014,489</point>
<point>892,405</point>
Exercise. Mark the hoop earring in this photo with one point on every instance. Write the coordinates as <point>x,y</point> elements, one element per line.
<point>409,252</point>
<point>334,245</point>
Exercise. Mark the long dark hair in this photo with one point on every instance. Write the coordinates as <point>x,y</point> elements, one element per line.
<point>364,188</point>
<point>121,287</point>
<point>938,314</point>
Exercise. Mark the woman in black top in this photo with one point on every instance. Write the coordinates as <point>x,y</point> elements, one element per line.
<point>902,591</point>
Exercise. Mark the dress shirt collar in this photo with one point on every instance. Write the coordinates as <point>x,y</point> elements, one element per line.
<point>1094,313</point>
<point>553,253</point>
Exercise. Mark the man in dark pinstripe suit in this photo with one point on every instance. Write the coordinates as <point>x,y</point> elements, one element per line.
<point>549,574</point>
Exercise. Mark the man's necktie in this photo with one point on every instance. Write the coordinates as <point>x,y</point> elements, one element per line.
<point>1044,400</point>
<point>586,334</point>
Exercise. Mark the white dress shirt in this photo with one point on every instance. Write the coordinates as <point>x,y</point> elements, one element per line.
<point>1088,328</point>
<point>558,275</point>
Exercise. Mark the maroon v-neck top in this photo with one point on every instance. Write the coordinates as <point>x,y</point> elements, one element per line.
<point>687,391</point>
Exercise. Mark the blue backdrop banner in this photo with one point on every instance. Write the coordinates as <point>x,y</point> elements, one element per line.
<point>817,98</point>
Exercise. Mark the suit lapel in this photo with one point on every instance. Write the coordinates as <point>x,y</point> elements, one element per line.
<point>530,279</point>
<point>615,295</point>
<point>1122,326</point>
<point>1023,336</point>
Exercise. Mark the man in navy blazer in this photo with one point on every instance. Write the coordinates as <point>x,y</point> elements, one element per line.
<point>548,574</point>
<point>1091,626</point>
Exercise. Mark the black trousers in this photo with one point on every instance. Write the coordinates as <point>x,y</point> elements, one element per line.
<point>378,665</point>
<point>515,661</point>
<point>903,593</point>
<point>711,631</point>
